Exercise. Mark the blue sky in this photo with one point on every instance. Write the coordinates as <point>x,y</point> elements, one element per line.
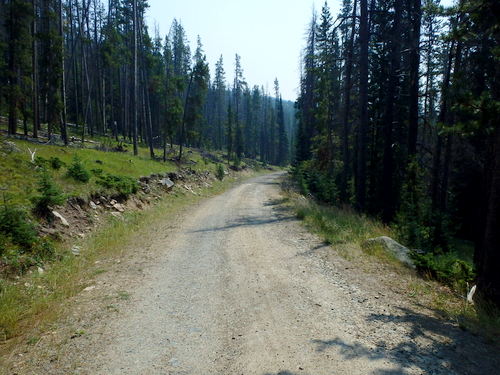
<point>267,34</point>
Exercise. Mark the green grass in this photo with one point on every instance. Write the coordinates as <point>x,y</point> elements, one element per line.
<point>336,225</point>
<point>18,178</point>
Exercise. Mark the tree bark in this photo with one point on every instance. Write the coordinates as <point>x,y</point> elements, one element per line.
<point>134,105</point>
<point>346,172</point>
<point>363,104</point>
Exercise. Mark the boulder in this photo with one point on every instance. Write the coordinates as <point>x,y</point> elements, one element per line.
<point>167,182</point>
<point>60,218</point>
<point>391,246</point>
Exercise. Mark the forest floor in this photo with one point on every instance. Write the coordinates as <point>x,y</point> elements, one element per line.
<point>236,285</point>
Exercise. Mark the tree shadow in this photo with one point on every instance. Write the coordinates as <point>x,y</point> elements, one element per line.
<point>431,345</point>
<point>246,221</point>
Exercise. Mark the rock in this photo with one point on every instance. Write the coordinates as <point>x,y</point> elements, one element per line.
<point>118,215</point>
<point>113,202</point>
<point>93,205</point>
<point>145,179</point>
<point>40,270</point>
<point>75,250</point>
<point>175,176</point>
<point>61,218</point>
<point>167,182</point>
<point>9,147</point>
<point>89,288</point>
<point>119,207</point>
<point>393,247</point>
<point>51,231</point>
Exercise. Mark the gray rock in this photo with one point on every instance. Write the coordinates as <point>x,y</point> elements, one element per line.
<point>119,207</point>
<point>75,250</point>
<point>393,247</point>
<point>9,147</point>
<point>167,182</point>
<point>93,205</point>
<point>61,218</point>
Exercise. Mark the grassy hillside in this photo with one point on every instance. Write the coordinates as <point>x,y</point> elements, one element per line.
<point>18,175</point>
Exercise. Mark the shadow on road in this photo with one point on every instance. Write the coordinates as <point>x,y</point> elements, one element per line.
<point>429,344</point>
<point>246,221</point>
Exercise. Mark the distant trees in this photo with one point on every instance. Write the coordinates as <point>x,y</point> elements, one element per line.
<point>396,115</point>
<point>81,67</point>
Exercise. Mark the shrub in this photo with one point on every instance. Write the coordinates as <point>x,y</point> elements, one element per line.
<point>77,171</point>
<point>50,195</point>
<point>447,268</point>
<point>41,161</point>
<point>15,229</point>
<point>219,173</point>
<point>55,163</point>
<point>123,185</point>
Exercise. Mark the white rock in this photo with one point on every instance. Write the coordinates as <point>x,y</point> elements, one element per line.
<point>89,288</point>
<point>75,250</point>
<point>40,271</point>
<point>167,182</point>
<point>61,218</point>
<point>119,207</point>
<point>93,205</point>
<point>395,248</point>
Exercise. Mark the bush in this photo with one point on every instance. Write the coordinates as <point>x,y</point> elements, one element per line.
<point>219,173</point>
<point>123,185</point>
<point>55,163</point>
<point>312,180</point>
<point>41,162</point>
<point>15,229</point>
<point>447,268</point>
<point>20,246</point>
<point>77,171</point>
<point>50,195</point>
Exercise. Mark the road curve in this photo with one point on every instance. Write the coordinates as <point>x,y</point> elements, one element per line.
<point>238,290</point>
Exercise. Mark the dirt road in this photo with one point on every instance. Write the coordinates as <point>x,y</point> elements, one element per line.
<point>241,288</point>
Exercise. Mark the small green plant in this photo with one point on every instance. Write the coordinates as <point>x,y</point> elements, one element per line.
<point>77,171</point>
<point>123,185</point>
<point>40,161</point>
<point>50,195</point>
<point>16,230</point>
<point>20,246</point>
<point>55,163</point>
<point>447,268</point>
<point>219,173</point>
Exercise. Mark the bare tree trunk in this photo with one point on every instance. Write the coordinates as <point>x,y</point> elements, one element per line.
<point>388,194</point>
<point>136,151</point>
<point>64,133</point>
<point>183,125</point>
<point>363,103</point>
<point>347,104</point>
<point>415,17</point>
<point>34,63</point>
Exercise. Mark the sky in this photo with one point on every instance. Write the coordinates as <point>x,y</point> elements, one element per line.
<point>268,34</point>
